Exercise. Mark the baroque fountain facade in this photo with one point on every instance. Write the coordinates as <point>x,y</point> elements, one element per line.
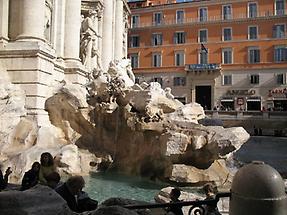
<point>66,87</point>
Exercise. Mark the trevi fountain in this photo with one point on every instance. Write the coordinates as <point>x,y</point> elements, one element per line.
<point>68,88</point>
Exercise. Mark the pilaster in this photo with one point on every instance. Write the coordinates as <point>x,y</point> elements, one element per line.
<point>4,14</point>
<point>107,42</point>
<point>119,27</point>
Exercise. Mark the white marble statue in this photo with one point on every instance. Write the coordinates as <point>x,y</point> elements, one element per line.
<point>88,43</point>
<point>122,70</point>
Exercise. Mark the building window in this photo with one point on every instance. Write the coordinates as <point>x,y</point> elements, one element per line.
<point>203,36</point>
<point>179,16</point>
<point>279,31</point>
<point>252,32</point>
<point>134,60</point>
<point>156,59</point>
<point>179,58</point>
<point>203,57</point>
<point>157,39</point>
<point>179,81</point>
<point>227,80</point>
<point>179,37</point>
<point>254,55</point>
<point>158,80</point>
<point>252,9</point>
<point>281,79</point>
<point>254,79</point>
<point>279,7</point>
<point>157,18</point>
<point>227,34</point>
<point>135,41</point>
<point>280,53</point>
<point>227,55</point>
<point>202,14</point>
<point>226,12</point>
<point>135,21</point>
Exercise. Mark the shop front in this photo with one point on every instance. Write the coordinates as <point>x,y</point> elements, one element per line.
<point>227,104</point>
<point>253,104</point>
<point>277,99</point>
<point>240,100</point>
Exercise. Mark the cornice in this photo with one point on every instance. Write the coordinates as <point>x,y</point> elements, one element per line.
<point>183,5</point>
<point>209,22</point>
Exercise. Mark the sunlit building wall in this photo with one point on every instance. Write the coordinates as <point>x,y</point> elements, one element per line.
<point>218,53</point>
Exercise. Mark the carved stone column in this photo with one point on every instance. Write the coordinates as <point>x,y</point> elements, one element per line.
<point>100,31</point>
<point>32,15</point>
<point>59,22</point>
<point>4,13</point>
<point>119,22</point>
<point>72,30</point>
<point>107,41</point>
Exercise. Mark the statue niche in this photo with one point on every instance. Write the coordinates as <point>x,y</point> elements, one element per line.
<point>88,42</point>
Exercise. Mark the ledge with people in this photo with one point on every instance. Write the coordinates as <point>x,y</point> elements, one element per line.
<point>45,173</point>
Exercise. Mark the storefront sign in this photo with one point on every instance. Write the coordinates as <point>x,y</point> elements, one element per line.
<point>240,92</point>
<point>280,91</point>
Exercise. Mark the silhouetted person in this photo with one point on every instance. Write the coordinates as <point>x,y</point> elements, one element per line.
<point>76,199</point>
<point>260,131</point>
<point>47,167</point>
<point>210,191</point>
<point>53,179</point>
<point>174,196</point>
<point>31,177</point>
<point>4,179</point>
<point>255,131</point>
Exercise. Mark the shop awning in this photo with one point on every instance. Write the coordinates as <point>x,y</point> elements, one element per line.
<point>227,100</point>
<point>253,100</point>
<point>278,99</point>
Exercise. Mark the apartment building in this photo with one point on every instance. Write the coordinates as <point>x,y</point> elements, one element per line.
<point>229,53</point>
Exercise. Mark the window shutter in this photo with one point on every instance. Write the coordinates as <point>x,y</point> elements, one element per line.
<point>174,38</point>
<point>184,36</point>
<point>274,31</point>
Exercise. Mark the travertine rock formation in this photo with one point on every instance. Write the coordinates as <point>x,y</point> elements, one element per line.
<point>137,129</point>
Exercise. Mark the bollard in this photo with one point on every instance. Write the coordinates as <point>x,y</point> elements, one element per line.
<point>257,189</point>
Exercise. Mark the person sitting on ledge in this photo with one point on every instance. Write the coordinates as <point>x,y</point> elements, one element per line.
<point>174,196</point>
<point>47,167</point>
<point>210,191</point>
<point>4,180</point>
<point>31,177</point>
<point>53,180</point>
<point>77,200</point>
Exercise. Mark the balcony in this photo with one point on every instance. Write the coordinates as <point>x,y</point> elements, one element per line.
<point>213,19</point>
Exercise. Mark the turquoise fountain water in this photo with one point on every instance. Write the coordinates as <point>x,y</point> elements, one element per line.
<point>102,186</point>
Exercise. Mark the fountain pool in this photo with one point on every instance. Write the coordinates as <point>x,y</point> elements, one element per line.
<point>102,186</point>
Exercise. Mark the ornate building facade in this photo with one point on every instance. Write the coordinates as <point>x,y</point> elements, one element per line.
<point>42,43</point>
<point>229,53</point>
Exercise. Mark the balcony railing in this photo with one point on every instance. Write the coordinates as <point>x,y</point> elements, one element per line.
<point>220,18</point>
<point>203,67</point>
